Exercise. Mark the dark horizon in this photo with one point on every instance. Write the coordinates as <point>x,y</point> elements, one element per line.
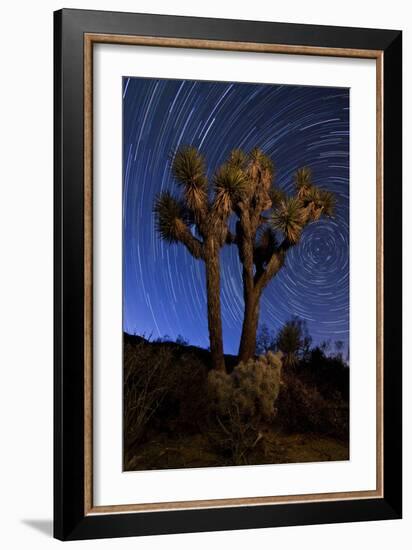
<point>331,351</point>
<point>164,290</point>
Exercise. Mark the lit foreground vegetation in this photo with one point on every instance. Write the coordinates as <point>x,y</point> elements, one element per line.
<point>278,407</point>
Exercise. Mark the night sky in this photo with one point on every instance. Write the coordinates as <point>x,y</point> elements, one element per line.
<point>164,286</point>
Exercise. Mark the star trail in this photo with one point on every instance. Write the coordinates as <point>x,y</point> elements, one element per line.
<point>163,286</point>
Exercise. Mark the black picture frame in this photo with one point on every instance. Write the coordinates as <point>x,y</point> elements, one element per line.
<point>70,520</point>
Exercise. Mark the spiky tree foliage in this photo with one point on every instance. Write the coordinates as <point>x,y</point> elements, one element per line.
<point>303,179</point>
<point>229,184</point>
<point>327,202</point>
<point>290,341</point>
<point>288,218</point>
<point>190,174</point>
<point>172,218</point>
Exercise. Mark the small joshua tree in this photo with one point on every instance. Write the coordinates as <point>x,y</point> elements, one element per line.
<point>293,341</point>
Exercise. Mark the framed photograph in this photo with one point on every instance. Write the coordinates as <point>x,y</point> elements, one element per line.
<point>227,274</point>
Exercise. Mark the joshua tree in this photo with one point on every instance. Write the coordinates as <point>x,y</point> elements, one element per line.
<point>292,341</point>
<point>199,220</point>
<point>269,224</point>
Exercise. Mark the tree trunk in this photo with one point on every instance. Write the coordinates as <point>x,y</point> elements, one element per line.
<point>212,262</point>
<point>247,348</point>
<point>251,296</point>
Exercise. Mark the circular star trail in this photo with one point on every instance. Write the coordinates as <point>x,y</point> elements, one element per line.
<point>164,287</point>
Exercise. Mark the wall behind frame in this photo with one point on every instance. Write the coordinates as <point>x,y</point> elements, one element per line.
<point>26,324</point>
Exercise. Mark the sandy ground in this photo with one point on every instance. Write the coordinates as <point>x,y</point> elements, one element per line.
<point>195,451</point>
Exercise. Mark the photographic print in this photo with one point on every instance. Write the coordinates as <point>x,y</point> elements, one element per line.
<point>217,320</point>
<point>235,274</point>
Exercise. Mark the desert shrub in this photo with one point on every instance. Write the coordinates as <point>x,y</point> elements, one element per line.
<point>241,400</point>
<point>294,341</point>
<point>302,408</point>
<point>147,380</point>
<point>233,437</point>
<point>164,390</point>
<point>328,373</point>
<point>253,386</point>
<point>181,341</point>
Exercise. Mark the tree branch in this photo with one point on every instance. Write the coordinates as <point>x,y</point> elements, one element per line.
<point>245,248</point>
<point>273,265</point>
<point>184,235</point>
